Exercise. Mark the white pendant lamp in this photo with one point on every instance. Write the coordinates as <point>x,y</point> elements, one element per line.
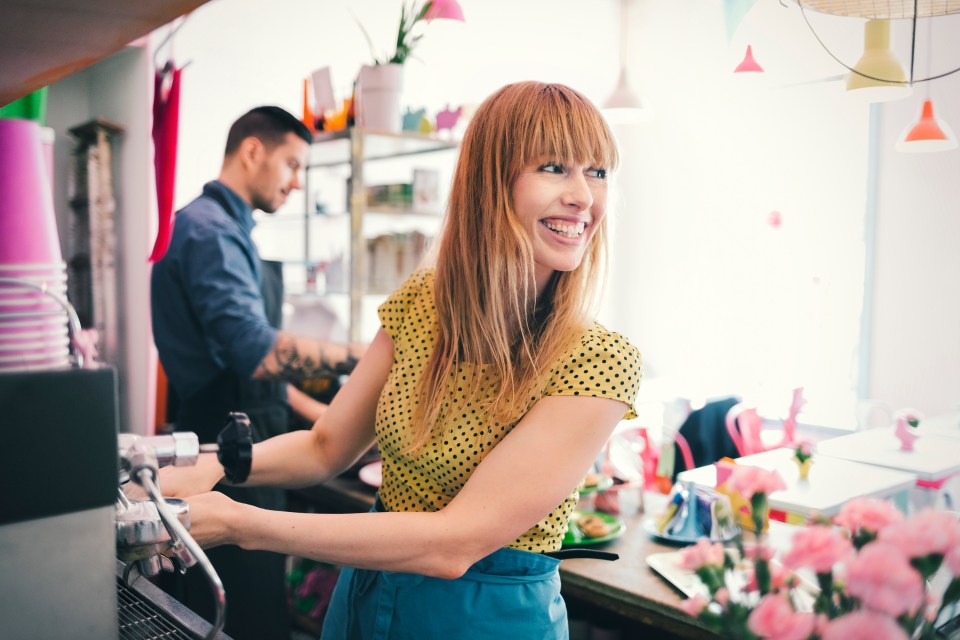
<point>624,106</point>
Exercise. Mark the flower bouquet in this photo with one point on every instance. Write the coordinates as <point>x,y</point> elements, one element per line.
<point>803,456</point>
<point>872,564</point>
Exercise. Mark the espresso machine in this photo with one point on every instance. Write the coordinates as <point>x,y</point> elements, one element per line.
<point>73,546</point>
<point>152,533</point>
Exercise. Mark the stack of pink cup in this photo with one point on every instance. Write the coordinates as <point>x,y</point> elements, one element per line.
<point>33,277</point>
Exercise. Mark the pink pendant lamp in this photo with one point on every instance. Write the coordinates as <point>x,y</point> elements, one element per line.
<point>749,64</point>
<point>444,10</point>
<point>928,134</point>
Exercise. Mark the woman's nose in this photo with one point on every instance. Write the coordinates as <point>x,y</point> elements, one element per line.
<point>578,192</point>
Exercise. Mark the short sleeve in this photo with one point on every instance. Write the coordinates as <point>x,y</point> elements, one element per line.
<point>603,365</point>
<point>395,311</point>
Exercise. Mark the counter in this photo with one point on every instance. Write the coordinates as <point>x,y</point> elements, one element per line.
<point>626,591</point>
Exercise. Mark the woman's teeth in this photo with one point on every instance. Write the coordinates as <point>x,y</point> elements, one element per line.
<point>564,229</point>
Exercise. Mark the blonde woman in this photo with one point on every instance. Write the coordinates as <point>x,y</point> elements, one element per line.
<point>488,389</point>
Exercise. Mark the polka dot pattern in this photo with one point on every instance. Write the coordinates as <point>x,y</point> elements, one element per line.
<point>602,364</point>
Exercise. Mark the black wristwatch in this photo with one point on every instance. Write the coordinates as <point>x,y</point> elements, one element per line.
<point>235,447</point>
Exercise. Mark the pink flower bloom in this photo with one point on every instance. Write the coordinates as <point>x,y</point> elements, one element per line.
<point>868,514</point>
<point>863,625</point>
<point>805,448</point>
<point>747,480</point>
<point>754,551</point>
<point>722,596</point>
<point>882,578</point>
<point>952,560</point>
<point>700,554</point>
<point>774,618</point>
<point>693,606</point>
<point>924,533</point>
<point>819,548</point>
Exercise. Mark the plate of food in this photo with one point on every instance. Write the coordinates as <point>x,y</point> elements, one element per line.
<point>372,474</point>
<point>594,482</point>
<point>592,527</point>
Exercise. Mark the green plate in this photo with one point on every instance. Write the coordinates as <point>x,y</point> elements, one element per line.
<point>603,482</point>
<point>574,537</point>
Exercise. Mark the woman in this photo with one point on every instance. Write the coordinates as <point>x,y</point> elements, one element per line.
<point>487,388</point>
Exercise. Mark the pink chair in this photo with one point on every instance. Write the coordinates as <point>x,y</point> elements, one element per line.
<point>745,427</point>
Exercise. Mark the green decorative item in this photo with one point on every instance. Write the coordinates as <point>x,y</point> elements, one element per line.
<point>30,107</point>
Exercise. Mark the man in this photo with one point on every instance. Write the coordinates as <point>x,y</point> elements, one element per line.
<point>216,315</point>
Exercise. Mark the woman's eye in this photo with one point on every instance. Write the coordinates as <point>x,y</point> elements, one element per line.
<point>597,173</point>
<point>551,167</point>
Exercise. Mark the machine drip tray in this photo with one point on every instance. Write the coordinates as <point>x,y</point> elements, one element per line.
<point>145,612</point>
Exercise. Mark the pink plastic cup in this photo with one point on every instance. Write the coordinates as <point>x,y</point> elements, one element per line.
<point>28,227</point>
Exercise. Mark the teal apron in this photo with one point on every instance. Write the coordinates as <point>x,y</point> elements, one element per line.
<point>508,594</point>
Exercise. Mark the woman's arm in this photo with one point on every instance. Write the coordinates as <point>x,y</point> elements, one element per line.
<point>302,458</point>
<point>527,475</point>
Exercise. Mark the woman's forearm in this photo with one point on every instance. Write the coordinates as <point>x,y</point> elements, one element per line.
<point>433,544</point>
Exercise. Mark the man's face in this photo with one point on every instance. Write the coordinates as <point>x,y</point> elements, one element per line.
<point>277,172</point>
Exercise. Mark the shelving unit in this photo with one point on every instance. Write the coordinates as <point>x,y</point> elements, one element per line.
<point>363,155</point>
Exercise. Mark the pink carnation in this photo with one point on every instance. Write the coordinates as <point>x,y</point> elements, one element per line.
<point>867,514</point>
<point>882,578</point>
<point>693,606</point>
<point>863,625</point>
<point>747,480</point>
<point>952,560</point>
<point>754,551</point>
<point>819,548</point>
<point>923,534</point>
<point>774,618</point>
<point>700,554</point>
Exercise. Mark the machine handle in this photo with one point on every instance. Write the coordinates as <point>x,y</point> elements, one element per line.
<point>235,447</point>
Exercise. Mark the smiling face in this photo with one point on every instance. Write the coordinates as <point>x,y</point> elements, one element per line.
<point>275,172</point>
<point>560,206</point>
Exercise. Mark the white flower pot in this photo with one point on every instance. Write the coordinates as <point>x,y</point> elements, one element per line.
<point>378,103</point>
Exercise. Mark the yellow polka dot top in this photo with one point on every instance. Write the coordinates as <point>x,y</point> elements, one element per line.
<point>603,364</point>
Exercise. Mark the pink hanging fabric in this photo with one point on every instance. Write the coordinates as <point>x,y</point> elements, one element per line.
<point>166,118</point>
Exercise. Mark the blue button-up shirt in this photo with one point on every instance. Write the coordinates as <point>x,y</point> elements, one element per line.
<point>207,308</point>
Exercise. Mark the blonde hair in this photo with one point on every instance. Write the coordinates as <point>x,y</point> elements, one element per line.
<point>486,301</point>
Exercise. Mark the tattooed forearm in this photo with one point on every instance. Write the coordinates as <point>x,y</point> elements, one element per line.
<point>295,359</point>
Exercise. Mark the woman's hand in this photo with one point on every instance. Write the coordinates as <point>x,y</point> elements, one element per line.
<point>212,518</point>
<point>183,482</point>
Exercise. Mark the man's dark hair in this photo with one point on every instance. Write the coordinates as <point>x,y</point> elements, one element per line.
<point>270,125</point>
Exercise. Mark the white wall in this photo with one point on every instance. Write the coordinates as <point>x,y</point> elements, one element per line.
<point>915,339</point>
<point>119,90</point>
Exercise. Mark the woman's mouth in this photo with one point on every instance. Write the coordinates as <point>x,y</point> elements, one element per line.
<point>572,230</point>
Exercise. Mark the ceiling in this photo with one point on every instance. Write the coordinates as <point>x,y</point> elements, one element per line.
<point>42,41</point>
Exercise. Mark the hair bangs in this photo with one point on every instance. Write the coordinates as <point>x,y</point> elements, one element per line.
<point>563,125</point>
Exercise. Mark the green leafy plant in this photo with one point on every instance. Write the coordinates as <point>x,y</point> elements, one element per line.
<point>412,15</point>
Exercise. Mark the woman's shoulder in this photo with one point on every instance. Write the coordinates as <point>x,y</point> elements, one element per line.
<point>599,338</point>
<point>413,298</point>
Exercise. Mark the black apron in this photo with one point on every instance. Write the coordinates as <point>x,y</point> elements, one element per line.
<point>254,581</point>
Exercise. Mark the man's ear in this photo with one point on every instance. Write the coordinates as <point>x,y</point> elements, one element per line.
<point>250,151</point>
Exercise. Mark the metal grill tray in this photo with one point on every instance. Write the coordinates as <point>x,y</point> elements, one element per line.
<point>145,612</point>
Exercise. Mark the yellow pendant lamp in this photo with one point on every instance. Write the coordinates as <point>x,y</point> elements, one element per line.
<point>878,76</point>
